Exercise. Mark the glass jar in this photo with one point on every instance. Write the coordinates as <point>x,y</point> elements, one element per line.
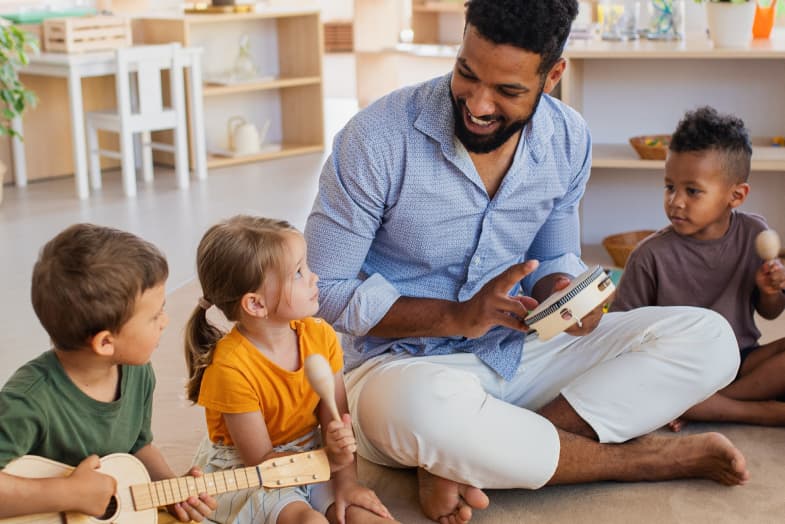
<point>618,19</point>
<point>666,20</point>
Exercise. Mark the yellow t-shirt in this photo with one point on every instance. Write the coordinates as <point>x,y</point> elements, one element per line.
<point>241,379</point>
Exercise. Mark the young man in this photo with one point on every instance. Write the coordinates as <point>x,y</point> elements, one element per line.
<point>440,203</point>
<point>99,293</point>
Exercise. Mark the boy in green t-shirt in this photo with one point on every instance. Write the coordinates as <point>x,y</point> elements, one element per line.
<point>99,293</point>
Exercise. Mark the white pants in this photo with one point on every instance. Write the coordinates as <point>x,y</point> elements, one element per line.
<point>455,417</point>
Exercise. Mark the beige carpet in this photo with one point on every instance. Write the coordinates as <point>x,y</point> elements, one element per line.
<point>178,428</point>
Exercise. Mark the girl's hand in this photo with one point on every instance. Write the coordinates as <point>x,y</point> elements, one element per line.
<point>195,508</point>
<point>340,443</point>
<point>770,277</point>
<point>352,493</point>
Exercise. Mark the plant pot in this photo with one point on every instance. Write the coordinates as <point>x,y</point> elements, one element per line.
<point>730,24</point>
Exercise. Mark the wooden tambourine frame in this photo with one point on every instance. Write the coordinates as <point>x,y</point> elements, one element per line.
<point>565,308</point>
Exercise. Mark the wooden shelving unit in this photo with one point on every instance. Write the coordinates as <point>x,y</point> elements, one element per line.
<point>287,48</point>
<point>382,64</point>
<point>434,22</point>
<point>624,89</point>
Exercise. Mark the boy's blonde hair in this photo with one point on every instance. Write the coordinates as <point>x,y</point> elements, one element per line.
<point>234,257</point>
<point>87,280</point>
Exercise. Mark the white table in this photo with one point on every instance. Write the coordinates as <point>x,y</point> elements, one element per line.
<point>74,67</point>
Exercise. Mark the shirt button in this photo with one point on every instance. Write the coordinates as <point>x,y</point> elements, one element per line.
<point>477,261</point>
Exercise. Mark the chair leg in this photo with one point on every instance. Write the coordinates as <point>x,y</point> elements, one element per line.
<point>127,161</point>
<point>147,157</point>
<point>94,155</point>
<point>181,154</point>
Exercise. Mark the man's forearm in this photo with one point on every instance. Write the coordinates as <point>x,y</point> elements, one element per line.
<point>418,317</point>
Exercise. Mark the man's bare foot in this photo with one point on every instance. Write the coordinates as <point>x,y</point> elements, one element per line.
<point>446,501</point>
<point>676,425</point>
<point>705,455</point>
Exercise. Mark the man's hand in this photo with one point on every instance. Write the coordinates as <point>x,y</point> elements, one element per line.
<point>493,306</point>
<point>589,322</point>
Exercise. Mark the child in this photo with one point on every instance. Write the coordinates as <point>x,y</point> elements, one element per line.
<point>99,293</point>
<point>258,403</point>
<point>707,258</point>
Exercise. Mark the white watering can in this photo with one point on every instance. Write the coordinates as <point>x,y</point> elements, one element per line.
<point>244,137</point>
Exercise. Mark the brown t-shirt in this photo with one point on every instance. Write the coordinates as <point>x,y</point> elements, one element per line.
<point>668,269</point>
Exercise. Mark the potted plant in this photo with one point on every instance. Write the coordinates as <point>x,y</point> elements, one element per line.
<point>730,21</point>
<point>15,44</point>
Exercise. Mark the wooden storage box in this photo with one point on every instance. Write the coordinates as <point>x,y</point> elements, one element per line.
<point>338,37</point>
<point>85,34</point>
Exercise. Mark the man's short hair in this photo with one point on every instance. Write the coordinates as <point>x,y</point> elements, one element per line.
<point>538,26</point>
<point>87,279</point>
<point>704,129</point>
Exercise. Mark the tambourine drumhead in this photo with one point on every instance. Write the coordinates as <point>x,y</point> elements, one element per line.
<point>566,307</point>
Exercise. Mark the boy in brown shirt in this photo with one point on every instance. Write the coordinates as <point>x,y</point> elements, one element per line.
<point>707,258</point>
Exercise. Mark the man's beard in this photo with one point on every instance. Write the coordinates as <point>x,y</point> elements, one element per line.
<point>480,144</point>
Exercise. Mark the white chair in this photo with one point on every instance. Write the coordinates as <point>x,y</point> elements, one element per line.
<point>140,110</point>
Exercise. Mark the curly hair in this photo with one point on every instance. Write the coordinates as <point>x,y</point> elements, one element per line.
<point>705,129</point>
<point>539,26</point>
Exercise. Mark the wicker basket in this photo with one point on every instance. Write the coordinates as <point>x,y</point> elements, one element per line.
<point>651,147</point>
<point>620,246</point>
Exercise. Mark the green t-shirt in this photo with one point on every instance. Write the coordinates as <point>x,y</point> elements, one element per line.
<point>43,413</point>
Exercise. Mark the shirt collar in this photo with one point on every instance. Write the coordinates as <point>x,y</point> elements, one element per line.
<point>436,121</point>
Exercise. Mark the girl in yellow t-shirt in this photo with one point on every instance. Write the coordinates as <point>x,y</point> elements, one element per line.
<point>257,400</point>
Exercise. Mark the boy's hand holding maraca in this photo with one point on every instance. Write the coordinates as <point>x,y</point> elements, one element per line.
<point>770,277</point>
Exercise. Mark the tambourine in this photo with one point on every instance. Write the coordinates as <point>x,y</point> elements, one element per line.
<point>568,306</point>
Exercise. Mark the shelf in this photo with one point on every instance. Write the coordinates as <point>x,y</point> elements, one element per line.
<point>439,7</point>
<point>286,43</point>
<point>285,151</point>
<point>623,156</point>
<point>694,46</point>
<point>280,83</point>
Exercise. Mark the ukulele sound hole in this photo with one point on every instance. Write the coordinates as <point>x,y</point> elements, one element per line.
<point>110,513</point>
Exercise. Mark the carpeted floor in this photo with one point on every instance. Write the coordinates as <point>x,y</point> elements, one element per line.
<point>178,428</point>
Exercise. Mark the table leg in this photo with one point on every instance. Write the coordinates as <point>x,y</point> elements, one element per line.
<point>78,133</point>
<point>18,152</point>
<point>196,110</point>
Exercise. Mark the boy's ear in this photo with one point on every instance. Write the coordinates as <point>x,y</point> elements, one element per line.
<point>739,194</point>
<point>253,304</point>
<point>102,343</point>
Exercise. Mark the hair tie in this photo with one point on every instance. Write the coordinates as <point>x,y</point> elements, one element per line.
<point>204,303</point>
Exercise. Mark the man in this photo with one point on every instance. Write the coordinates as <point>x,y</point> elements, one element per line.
<point>439,207</point>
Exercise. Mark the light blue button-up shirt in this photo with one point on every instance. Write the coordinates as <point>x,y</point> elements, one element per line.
<point>402,211</point>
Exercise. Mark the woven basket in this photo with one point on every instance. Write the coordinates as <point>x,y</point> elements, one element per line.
<point>620,246</point>
<point>651,147</point>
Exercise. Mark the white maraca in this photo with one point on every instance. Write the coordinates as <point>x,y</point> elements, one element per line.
<point>319,374</point>
<point>767,244</point>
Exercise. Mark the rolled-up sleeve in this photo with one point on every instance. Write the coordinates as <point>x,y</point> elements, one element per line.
<point>558,242</point>
<point>342,225</point>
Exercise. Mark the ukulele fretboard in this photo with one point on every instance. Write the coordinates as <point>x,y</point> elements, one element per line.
<point>171,491</point>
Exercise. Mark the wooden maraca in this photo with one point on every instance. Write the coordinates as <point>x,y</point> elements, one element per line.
<point>319,374</point>
<point>767,244</point>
